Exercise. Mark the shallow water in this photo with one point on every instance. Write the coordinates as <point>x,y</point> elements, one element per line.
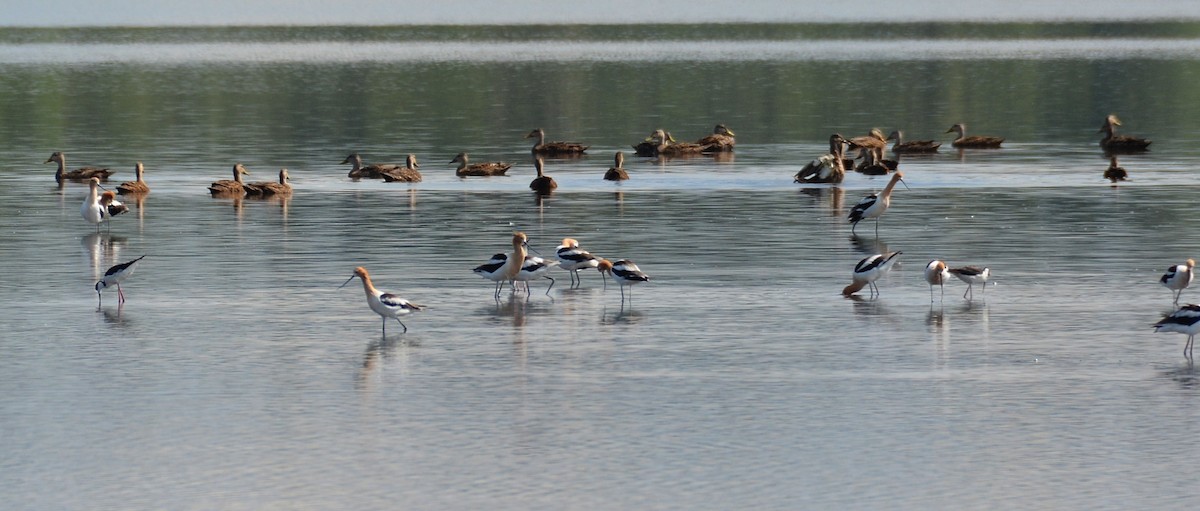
<point>237,375</point>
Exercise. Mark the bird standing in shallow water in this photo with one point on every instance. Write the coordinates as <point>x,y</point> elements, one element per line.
<point>972,275</point>
<point>1186,320</point>
<point>113,277</point>
<point>936,274</point>
<point>870,269</point>
<point>110,206</point>
<point>1178,277</point>
<point>624,273</point>
<point>91,209</point>
<point>572,258</point>
<point>542,184</point>
<point>386,305</point>
<point>872,206</point>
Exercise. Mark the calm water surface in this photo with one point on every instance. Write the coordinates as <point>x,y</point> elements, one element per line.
<point>238,376</point>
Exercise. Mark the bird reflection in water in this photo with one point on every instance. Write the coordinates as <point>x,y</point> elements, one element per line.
<point>869,246</point>
<point>1184,375</point>
<point>833,195</point>
<point>378,353</point>
<point>102,248</point>
<point>112,315</point>
<point>623,316</point>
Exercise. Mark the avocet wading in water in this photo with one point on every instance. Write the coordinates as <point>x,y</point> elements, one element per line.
<point>91,209</point>
<point>872,206</point>
<point>624,273</point>
<point>972,275</point>
<point>936,274</point>
<point>572,258</point>
<point>1178,277</point>
<point>386,305</point>
<point>868,270</point>
<point>113,277</point>
<point>1186,320</point>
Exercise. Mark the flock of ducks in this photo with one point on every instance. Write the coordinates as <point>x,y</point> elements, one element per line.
<point>520,267</point>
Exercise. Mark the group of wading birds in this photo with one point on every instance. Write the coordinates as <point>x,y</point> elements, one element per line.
<point>520,267</point>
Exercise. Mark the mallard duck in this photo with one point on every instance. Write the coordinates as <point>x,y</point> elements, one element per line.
<point>554,148</point>
<point>491,168</point>
<point>79,174</point>
<point>828,168</point>
<point>1115,172</point>
<point>230,186</point>
<point>617,172</point>
<point>1120,143</point>
<point>361,171</point>
<point>668,146</point>
<point>873,141</point>
<point>912,146</point>
<point>268,188</point>
<point>647,147</point>
<point>974,141</point>
<point>134,187</point>
<point>542,184</point>
<point>406,174</point>
<point>873,166</point>
<point>721,140</point>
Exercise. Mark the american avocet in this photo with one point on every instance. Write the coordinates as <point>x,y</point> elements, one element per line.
<point>386,305</point>
<point>267,188</point>
<point>231,186</point>
<point>113,277</point>
<point>1178,277</point>
<point>1115,172</point>
<point>553,148</point>
<point>721,140</point>
<point>1186,320</point>
<point>79,174</point>
<point>491,270</point>
<point>135,187</point>
<point>91,209</point>
<point>624,273</point>
<point>542,184</point>
<point>491,168</point>
<point>912,146</point>
<point>617,172</point>
<point>872,206</point>
<point>406,174</point>
<point>936,274</point>
<point>827,168</point>
<point>110,206</point>
<point>536,268</point>
<point>974,141</point>
<point>972,275</point>
<point>870,269</point>
<point>1114,143</point>
<point>572,258</point>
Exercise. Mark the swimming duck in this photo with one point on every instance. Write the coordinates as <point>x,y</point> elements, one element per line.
<point>1120,143</point>
<point>828,168</point>
<point>554,148</point>
<point>491,168</point>
<point>647,147</point>
<point>134,187</point>
<point>873,166</point>
<point>668,146</point>
<point>873,141</point>
<point>406,174</point>
<point>542,184</point>
<point>721,140</point>
<point>974,141</point>
<point>366,171</point>
<point>617,172</point>
<point>1115,172</point>
<point>230,186</point>
<point>912,146</point>
<point>79,174</point>
<point>268,188</point>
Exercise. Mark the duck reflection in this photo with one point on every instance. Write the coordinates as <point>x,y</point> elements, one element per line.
<point>833,195</point>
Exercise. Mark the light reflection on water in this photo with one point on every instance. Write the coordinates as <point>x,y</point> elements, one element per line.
<point>238,375</point>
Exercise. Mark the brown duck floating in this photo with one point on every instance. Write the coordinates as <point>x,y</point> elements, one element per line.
<point>361,171</point>
<point>491,168</point>
<point>79,174</point>
<point>828,168</point>
<point>617,172</point>
<point>554,148</point>
<point>1115,172</point>
<point>542,184</point>
<point>721,140</point>
<point>647,147</point>
<point>974,141</point>
<point>134,187</point>
<point>668,146</point>
<point>912,146</point>
<point>269,188</point>
<point>406,174</point>
<point>1120,143</point>
<point>231,186</point>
